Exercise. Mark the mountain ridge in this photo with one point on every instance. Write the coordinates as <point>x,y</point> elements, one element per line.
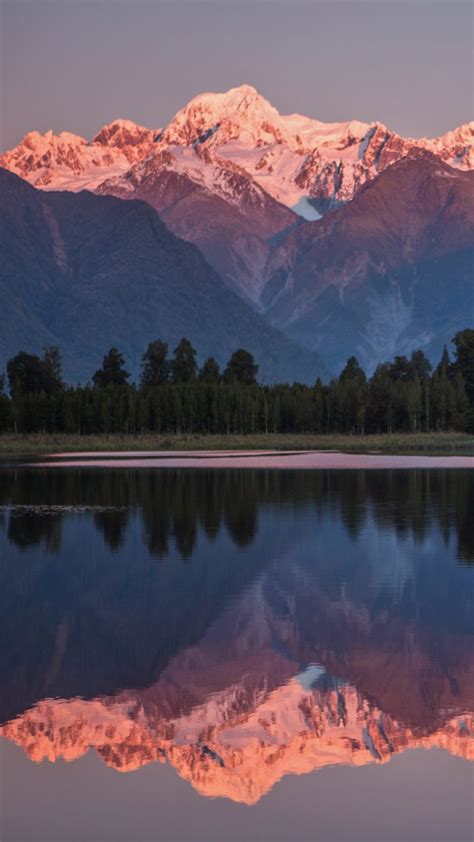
<point>290,156</point>
<point>87,272</point>
<point>370,277</point>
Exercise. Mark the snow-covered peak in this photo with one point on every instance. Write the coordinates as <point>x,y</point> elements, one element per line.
<point>238,99</point>
<point>64,161</point>
<point>240,113</point>
<point>462,134</point>
<point>456,146</point>
<point>38,142</point>
<point>135,141</point>
<point>67,161</point>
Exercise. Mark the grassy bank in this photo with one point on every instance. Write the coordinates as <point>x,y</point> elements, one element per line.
<point>30,445</point>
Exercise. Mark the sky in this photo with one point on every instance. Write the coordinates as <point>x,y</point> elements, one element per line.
<point>77,64</point>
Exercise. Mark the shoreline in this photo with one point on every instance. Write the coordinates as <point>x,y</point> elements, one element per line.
<point>255,460</point>
<point>50,445</point>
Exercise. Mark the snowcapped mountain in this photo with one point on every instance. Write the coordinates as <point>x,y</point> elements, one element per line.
<point>67,161</point>
<point>239,180</point>
<point>134,141</point>
<point>292,157</point>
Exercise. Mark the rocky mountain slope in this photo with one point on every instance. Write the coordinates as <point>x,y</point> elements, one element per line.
<point>67,161</point>
<point>387,273</point>
<point>87,272</point>
<point>213,203</point>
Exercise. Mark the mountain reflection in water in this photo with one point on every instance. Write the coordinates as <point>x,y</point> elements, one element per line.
<point>240,625</point>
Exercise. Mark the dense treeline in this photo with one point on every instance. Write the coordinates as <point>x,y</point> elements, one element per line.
<point>174,396</point>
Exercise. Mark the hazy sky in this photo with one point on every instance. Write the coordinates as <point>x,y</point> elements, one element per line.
<point>75,64</point>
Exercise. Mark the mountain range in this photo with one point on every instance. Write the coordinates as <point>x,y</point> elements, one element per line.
<point>249,186</point>
<point>292,158</point>
<point>87,272</point>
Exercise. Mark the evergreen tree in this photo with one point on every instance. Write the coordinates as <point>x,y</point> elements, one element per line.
<point>352,372</point>
<point>4,406</point>
<point>400,396</point>
<point>52,368</point>
<point>464,362</point>
<point>414,403</point>
<point>420,365</point>
<point>210,372</point>
<point>380,413</point>
<point>463,415</point>
<point>112,372</point>
<point>241,368</point>
<point>155,364</point>
<point>444,363</point>
<point>26,374</point>
<point>400,369</point>
<point>318,418</point>
<point>183,365</point>
<point>351,397</point>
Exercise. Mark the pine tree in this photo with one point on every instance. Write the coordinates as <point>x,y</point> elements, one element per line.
<point>210,372</point>
<point>464,362</point>
<point>183,365</point>
<point>420,365</point>
<point>26,374</point>
<point>112,371</point>
<point>52,369</point>
<point>155,364</point>
<point>241,368</point>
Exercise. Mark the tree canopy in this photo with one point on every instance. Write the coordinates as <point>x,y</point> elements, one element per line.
<point>241,368</point>
<point>173,397</point>
<point>210,372</point>
<point>30,374</point>
<point>155,364</point>
<point>183,364</point>
<point>112,371</point>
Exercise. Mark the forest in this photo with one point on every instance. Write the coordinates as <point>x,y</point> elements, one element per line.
<point>176,396</point>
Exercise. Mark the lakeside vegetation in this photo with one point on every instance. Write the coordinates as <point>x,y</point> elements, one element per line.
<point>35,444</point>
<point>405,405</point>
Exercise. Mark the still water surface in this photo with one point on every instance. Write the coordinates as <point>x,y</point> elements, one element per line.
<point>258,654</point>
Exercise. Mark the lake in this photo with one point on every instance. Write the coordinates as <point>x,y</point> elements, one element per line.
<point>228,647</point>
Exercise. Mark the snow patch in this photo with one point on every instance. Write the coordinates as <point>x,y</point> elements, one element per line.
<point>305,209</point>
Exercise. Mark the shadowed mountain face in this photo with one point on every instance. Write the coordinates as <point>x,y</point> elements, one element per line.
<point>233,225</point>
<point>87,272</point>
<point>386,274</point>
<point>241,625</point>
